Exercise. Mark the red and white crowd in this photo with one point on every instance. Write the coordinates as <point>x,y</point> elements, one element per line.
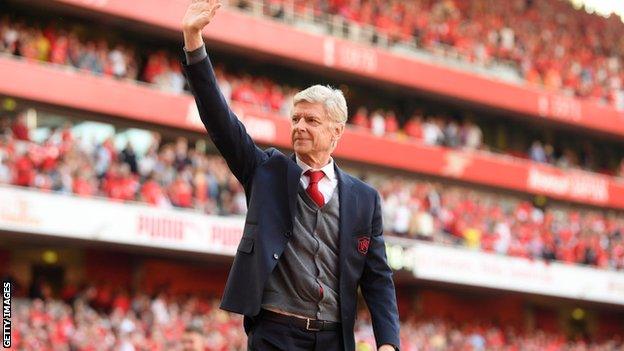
<point>497,223</point>
<point>102,318</point>
<point>165,175</point>
<point>550,42</point>
<point>174,174</point>
<point>98,319</point>
<point>67,45</point>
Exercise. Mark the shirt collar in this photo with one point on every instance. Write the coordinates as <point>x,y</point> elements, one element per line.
<point>328,169</point>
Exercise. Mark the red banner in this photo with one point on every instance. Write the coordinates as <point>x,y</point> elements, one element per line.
<point>86,92</point>
<point>258,35</point>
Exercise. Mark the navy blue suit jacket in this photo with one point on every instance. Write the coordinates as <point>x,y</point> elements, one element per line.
<point>271,180</point>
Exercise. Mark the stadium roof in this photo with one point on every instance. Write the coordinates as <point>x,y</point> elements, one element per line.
<point>602,7</point>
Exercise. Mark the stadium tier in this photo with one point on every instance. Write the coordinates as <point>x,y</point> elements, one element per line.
<point>308,48</point>
<point>126,313</point>
<point>497,155</point>
<point>69,159</point>
<point>124,99</point>
<point>482,33</point>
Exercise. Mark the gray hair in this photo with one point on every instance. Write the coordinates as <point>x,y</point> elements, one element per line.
<point>332,99</point>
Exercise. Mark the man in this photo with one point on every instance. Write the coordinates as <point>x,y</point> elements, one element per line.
<point>312,234</point>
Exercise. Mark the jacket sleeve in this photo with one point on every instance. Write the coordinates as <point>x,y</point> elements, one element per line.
<point>226,131</point>
<point>377,286</point>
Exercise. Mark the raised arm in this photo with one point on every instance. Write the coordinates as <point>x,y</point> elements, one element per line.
<point>226,131</point>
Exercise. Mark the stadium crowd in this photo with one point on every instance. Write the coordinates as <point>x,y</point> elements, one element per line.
<point>166,175</point>
<point>499,223</point>
<point>585,60</point>
<point>68,45</point>
<point>175,174</point>
<point>100,317</point>
<point>64,45</point>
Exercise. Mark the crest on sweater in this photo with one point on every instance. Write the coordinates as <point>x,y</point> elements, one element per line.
<point>362,244</point>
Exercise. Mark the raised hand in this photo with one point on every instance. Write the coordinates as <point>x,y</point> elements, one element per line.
<point>199,14</point>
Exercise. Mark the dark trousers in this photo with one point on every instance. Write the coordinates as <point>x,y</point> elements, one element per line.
<point>266,335</point>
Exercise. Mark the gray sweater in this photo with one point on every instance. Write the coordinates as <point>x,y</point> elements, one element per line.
<point>305,281</point>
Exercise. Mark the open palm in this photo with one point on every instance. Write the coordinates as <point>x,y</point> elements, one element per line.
<point>199,14</point>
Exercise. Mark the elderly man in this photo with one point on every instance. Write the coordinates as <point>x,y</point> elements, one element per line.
<point>312,234</point>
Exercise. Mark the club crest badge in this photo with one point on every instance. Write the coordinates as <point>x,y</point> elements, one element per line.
<point>362,245</point>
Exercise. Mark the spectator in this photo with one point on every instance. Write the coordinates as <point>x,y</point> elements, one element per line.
<point>24,171</point>
<point>537,153</point>
<point>118,62</point>
<point>152,192</point>
<point>192,339</point>
<point>413,127</point>
<point>19,128</point>
<point>391,123</point>
<point>181,154</point>
<point>472,136</point>
<point>452,135</point>
<point>181,193</point>
<point>224,85</point>
<point>103,158</point>
<point>432,134</point>
<point>378,123</point>
<point>128,157</point>
<point>360,119</point>
<point>83,184</point>
<point>5,170</point>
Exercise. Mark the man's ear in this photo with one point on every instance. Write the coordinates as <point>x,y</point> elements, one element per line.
<point>338,130</point>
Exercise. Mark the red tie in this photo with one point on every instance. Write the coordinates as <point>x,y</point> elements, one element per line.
<point>312,190</point>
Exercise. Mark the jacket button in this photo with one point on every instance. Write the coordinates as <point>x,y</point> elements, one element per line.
<point>288,234</point>
<point>275,256</point>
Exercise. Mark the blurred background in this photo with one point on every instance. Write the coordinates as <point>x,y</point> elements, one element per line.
<point>494,131</point>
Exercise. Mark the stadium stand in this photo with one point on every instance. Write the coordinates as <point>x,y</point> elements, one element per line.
<point>62,44</point>
<point>586,61</point>
<point>154,317</point>
<point>172,174</point>
<point>123,321</point>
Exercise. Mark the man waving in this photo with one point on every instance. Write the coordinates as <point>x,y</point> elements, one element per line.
<point>312,234</point>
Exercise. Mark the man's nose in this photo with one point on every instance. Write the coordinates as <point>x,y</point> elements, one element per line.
<point>299,125</point>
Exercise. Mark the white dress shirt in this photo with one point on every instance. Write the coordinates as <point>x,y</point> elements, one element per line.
<point>327,184</point>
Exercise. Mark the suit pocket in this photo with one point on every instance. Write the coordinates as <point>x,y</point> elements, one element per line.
<point>246,245</point>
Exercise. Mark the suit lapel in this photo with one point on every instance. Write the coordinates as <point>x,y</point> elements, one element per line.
<point>293,176</point>
<point>348,208</point>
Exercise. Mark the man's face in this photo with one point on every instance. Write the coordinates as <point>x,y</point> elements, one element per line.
<point>312,131</point>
